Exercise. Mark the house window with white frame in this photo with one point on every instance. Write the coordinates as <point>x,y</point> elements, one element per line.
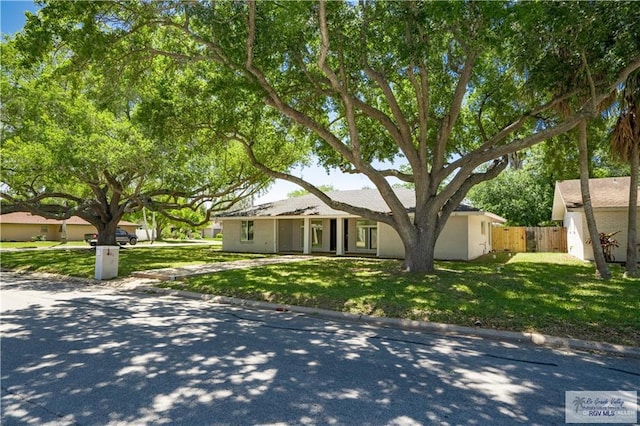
<point>316,233</point>
<point>366,234</point>
<point>246,231</point>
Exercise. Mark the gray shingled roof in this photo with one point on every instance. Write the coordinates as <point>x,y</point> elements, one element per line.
<point>605,192</point>
<point>310,205</point>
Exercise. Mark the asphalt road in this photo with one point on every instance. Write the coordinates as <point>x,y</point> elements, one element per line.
<point>83,354</point>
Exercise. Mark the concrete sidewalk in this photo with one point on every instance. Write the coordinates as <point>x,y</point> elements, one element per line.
<point>172,274</point>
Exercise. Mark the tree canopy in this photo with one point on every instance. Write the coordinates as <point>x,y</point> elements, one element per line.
<point>68,150</point>
<point>450,88</point>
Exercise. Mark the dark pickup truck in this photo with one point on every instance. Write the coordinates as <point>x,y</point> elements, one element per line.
<point>122,238</point>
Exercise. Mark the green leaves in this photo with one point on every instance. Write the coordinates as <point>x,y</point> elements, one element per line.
<point>520,196</point>
<point>98,150</point>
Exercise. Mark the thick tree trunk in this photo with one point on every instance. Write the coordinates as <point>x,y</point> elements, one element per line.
<point>419,256</point>
<point>419,246</point>
<point>632,239</point>
<point>602,269</point>
<point>107,233</point>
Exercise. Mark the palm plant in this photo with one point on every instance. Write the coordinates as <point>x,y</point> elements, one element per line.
<point>625,145</point>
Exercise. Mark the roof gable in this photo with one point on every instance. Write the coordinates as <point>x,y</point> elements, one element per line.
<point>605,193</point>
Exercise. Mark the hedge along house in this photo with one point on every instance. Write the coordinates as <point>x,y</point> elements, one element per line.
<point>307,225</point>
<point>26,227</point>
<point>610,201</point>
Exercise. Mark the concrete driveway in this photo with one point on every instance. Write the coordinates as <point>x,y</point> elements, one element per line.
<point>83,354</point>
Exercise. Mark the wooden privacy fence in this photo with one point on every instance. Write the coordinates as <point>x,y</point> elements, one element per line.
<point>518,239</point>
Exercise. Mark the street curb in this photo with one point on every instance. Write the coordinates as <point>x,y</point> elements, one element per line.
<point>536,339</point>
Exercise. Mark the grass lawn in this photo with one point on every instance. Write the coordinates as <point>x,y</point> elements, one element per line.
<point>547,293</point>
<point>44,244</point>
<point>81,263</point>
<point>40,244</point>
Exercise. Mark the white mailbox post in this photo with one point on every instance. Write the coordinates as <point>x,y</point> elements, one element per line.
<point>107,262</point>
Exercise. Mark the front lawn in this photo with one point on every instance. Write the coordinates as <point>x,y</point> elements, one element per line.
<point>547,293</point>
<point>40,244</point>
<point>81,263</point>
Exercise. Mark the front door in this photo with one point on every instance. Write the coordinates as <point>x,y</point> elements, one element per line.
<point>332,235</point>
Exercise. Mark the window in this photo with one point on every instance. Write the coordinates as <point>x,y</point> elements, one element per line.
<point>246,232</point>
<point>482,231</point>
<point>44,229</point>
<point>366,235</point>
<point>316,233</point>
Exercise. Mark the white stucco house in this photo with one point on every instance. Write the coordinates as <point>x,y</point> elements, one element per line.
<point>610,201</point>
<point>307,225</point>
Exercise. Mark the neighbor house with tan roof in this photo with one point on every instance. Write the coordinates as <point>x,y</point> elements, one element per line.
<point>610,201</point>
<point>307,225</point>
<point>22,226</point>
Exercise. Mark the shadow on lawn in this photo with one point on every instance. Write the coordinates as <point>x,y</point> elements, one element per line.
<point>549,298</point>
<point>81,263</point>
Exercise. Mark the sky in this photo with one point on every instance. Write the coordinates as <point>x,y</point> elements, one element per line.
<point>12,19</point>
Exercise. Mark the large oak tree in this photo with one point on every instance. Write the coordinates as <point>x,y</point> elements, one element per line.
<point>68,150</point>
<point>449,88</point>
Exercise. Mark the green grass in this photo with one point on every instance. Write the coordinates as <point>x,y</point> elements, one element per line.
<point>40,244</point>
<point>45,244</point>
<point>81,263</point>
<point>546,293</point>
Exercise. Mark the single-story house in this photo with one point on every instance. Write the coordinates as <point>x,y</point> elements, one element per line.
<point>610,201</point>
<point>307,225</point>
<point>21,226</point>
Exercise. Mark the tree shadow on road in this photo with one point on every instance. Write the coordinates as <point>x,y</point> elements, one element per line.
<point>95,356</point>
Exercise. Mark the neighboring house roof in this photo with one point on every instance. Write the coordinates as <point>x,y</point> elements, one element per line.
<point>310,205</point>
<point>611,193</point>
<point>30,219</point>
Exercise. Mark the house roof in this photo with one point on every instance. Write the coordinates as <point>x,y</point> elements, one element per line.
<point>310,205</point>
<point>30,219</point>
<point>610,193</point>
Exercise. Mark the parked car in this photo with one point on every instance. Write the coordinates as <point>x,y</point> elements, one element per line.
<point>122,237</point>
